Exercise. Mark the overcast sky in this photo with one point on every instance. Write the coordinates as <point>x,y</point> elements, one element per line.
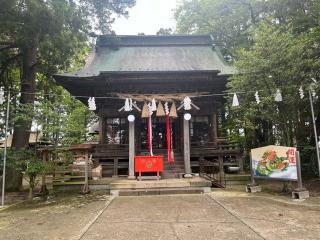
<point>147,16</point>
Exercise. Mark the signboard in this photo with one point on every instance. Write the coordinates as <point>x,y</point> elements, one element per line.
<point>274,162</point>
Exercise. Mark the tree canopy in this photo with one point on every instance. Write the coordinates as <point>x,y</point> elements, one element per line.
<point>275,47</point>
<point>39,38</point>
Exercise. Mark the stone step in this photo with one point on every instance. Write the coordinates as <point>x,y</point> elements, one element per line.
<point>160,191</point>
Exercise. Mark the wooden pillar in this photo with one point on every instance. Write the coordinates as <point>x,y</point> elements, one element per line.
<point>131,150</point>
<point>115,167</point>
<point>86,174</point>
<point>101,129</point>
<point>214,129</point>
<point>186,148</point>
<point>221,167</point>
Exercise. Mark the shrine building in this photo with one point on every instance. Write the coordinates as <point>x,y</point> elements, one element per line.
<point>157,96</point>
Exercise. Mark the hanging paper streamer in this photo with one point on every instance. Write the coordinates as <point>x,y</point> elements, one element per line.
<point>166,108</point>
<point>92,104</point>
<point>170,158</point>
<point>301,93</point>
<point>1,96</point>
<point>313,92</point>
<point>235,101</point>
<point>153,105</point>
<point>187,103</point>
<point>278,96</point>
<point>256,95</point>
<point>150,129</point>
<point>128,105</point>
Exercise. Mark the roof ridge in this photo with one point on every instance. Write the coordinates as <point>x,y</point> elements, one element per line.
<point>115,41</point>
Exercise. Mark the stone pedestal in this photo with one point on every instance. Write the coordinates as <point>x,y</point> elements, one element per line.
<point>253,188</point>
<point>300,194</point>
<point>132,178</point>
<point>187,175</point>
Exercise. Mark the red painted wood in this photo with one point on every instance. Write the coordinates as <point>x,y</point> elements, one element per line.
<point>148,164</point>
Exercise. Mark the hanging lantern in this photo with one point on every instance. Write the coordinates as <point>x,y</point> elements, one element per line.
<point>1,96</point>
<point>92,104</point>
<point>153,105</point>
<point>173,111</point>
<point>166,108</point>
<point>145,111</point>
<point>256,95</point>
<point>278,96</point>
<point>301,93</point>
<point>160,111</point>
<point>235,101</point>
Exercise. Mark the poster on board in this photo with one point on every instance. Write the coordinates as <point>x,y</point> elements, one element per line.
<point>274,162</point>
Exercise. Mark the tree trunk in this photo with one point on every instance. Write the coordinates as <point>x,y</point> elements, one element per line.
<point>28,86</point>
<point>22,127</point>
<point>30,197</point>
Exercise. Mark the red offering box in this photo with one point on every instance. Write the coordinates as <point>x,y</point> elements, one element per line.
<point>148,164</point>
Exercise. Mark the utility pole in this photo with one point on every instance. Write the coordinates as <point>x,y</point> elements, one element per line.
<point>5,151</point>
<point>315,129</point>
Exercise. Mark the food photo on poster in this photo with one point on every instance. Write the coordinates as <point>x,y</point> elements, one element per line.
<point>274,162</point>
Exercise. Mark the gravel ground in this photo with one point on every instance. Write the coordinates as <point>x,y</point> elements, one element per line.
<point>60,217</point>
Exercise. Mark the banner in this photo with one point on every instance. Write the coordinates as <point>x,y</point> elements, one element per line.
<point>274,162</point>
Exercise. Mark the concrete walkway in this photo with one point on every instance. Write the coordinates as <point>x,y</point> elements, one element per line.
<point>222,214</point>
<point>168,217</point>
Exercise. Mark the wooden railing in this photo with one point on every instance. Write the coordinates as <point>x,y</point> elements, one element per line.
<point>211,170</point>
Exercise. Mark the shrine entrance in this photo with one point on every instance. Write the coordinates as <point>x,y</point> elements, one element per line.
<point>159,133</point>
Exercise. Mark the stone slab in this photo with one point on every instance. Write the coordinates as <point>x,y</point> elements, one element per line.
<point>253,189</point>
<point>300,194</point>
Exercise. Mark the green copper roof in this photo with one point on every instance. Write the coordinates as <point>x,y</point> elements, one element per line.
<point>153,54</point>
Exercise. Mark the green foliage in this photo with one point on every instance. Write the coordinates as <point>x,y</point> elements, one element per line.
<point>229,21</point>
<point>275,45</point>
<point>281,59</point>
<point>27,161</point>
<point>164,31</point>
<point>59,31</point>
